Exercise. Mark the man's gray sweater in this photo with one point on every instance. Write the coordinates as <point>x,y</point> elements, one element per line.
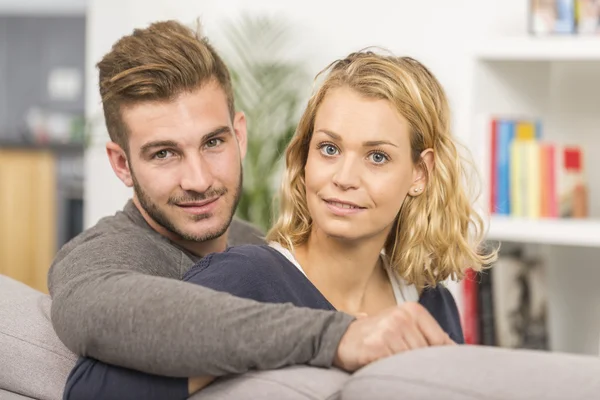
<point>117,297</point>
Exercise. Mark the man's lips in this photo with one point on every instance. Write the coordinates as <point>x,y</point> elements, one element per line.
<point>199,207</point>
<point>198,203</point>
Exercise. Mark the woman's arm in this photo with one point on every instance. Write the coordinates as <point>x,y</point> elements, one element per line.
<point>94,380</point>
<point>195,384</point>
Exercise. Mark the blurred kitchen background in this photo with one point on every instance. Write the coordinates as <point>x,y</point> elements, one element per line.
<point>523,78</point>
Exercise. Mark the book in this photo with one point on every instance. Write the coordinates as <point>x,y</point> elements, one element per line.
<point>470,318</point>
<point>547,17</point>
<point>520,300</point>
<point>587,16</point>
<point>504,138</point>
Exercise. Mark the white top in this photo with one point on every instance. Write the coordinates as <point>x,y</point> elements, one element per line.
<point>402,291</point>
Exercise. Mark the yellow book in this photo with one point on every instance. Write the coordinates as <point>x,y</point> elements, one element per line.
<point>516,179</point>
<point>525,130</point>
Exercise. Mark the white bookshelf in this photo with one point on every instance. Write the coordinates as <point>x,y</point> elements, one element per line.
<point>556,79</point>
<point>559,232</point>
<point>555,48</point>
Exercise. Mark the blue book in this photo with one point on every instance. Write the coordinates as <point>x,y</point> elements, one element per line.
<point>505,135</point>
<point>565,16</point>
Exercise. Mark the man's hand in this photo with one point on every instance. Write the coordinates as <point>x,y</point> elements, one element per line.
<point>405,327</point>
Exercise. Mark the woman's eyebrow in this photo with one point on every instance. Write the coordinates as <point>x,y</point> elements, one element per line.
<point>369,143</point>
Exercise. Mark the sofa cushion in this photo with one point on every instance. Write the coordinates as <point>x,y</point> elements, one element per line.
<point>476,372</point>
<point>34,361</point>
<point>6,395</point>
<point>291,383</point>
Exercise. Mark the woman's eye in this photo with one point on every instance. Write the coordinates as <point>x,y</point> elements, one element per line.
<point>378,158</point>
<point>213,142</point>
<point>329,150</point>
<point>163,154</point>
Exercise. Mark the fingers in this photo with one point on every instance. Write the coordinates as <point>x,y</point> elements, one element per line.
<point>398,329</point>
<point>415,339</point>
<point>432,333</point>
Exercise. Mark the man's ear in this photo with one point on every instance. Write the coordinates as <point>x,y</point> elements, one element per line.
<point>240,131</point>
<point>421,173</point>
<point>118,161</point>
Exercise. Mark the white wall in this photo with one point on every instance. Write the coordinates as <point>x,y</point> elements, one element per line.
<point>438,32</point>
<point>43,6</point>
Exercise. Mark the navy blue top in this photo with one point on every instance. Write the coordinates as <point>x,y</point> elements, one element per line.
<point>256,272</point>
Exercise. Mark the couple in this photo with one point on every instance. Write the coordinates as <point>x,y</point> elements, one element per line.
<point>373,217</point>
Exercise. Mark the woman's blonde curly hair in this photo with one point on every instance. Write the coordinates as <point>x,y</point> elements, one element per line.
<point>436,235</point>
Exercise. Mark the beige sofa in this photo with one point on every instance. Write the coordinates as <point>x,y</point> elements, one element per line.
<point>34,365</point>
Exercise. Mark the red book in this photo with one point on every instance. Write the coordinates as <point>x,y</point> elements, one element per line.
<point>470,317</point>
<point>551,189</point>
<point>493,166</point>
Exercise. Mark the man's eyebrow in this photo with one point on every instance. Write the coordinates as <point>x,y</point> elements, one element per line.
<point>157,143</point>
<point>370,143</point>
<point>146,148</point>
<point>216,132</point>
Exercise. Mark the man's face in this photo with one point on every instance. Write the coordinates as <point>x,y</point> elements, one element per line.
<point>185,162</point>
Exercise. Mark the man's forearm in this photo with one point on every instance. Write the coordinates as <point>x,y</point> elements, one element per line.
<point>168,327</point>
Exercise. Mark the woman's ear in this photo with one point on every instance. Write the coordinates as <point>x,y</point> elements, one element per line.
<point>421,173</point>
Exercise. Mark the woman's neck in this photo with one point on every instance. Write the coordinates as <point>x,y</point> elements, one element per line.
<point>349,274</point>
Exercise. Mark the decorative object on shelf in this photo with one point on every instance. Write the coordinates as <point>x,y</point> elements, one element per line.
<point>548,17</point>
<point>587,14</point>
<point>520,300</point>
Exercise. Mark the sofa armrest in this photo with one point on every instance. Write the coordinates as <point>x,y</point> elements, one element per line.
<point>477,372</point>
<point>6,395</point>
<point>33,362</point>
<point>291,383</point>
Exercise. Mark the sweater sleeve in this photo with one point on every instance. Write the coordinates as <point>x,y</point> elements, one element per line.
<point>109,303</point>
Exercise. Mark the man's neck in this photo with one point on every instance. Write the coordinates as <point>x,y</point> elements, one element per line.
<point>348,273</point>
<point>199,249</point>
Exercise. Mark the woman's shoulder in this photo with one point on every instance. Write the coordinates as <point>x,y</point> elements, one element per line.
<point>258,258</point>
<point>440,303</point>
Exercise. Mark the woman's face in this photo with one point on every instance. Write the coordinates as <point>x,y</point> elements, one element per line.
<point>359,168</point>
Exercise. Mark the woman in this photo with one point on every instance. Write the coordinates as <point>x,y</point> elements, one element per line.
<point>373,214</point>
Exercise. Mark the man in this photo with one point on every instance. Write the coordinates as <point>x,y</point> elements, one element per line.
<point>178,141</point>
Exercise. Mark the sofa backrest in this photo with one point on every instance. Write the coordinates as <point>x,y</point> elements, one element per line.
<point>34,361</point>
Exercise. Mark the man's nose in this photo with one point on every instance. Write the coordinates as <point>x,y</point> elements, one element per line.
<point>197,175</point>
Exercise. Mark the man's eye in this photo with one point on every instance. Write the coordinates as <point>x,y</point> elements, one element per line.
<point>214,142</point>
<point>163,154</point>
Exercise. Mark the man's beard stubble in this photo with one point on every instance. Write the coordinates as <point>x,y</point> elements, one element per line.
<point>156,213</point>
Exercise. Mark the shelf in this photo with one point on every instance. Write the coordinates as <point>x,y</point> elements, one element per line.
<point>531,48</point>
<point>54,147</point>
<point>567,232</point>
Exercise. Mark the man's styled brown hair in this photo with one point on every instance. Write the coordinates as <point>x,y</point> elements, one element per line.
<point>157,64</point>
